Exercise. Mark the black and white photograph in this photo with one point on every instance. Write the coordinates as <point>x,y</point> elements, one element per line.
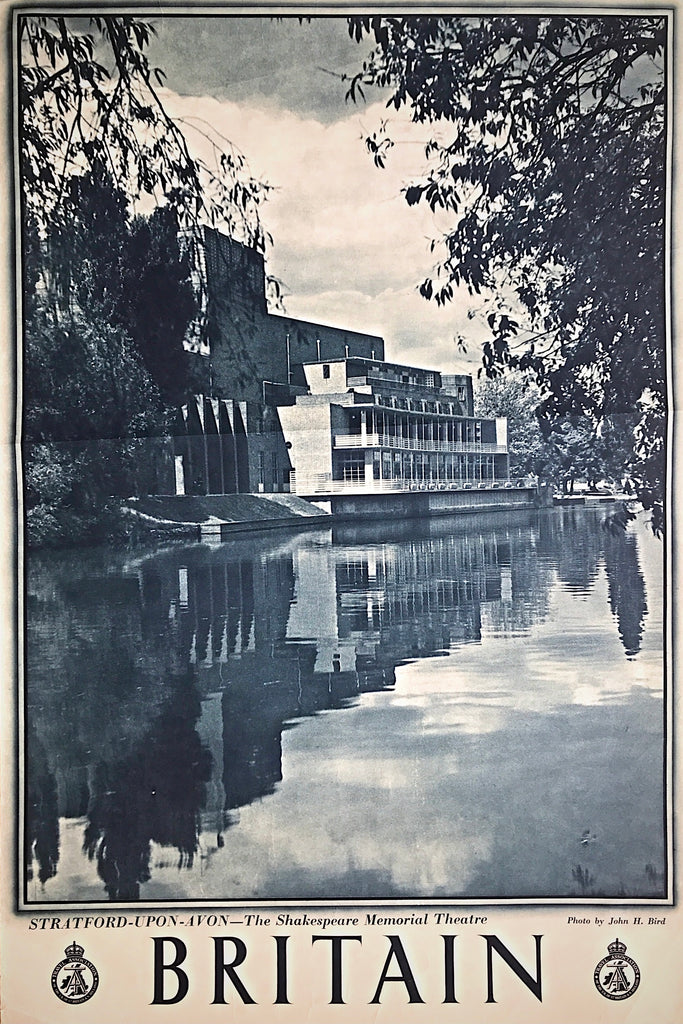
<point>343,381</point>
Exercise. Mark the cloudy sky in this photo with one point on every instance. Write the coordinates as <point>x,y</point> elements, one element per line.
<point>349,250</point>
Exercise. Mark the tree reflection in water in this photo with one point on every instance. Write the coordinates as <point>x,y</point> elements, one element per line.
<point>126,655</point>
<point>42,824</point>
<point>154,794</point>
<point>626,589</point>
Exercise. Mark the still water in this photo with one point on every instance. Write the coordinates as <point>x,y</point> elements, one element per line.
<point>459,709</point>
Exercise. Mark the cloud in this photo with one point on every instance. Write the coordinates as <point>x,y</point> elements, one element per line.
<point>275,63</point>
<point>349,250</point>
<point>414,331</point>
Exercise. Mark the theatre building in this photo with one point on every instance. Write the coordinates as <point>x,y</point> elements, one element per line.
<point>287,405</point>
<point>366,424</point>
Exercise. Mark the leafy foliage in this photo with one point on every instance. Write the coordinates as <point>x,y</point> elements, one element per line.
<point>84,428</point>
<point>104,335</point>
<point>512,398</point>
<point>135,273</point>
<point>89,100</point>
<point>158,302</point>
<point>569,449</point>
<point>104,359</point>
<point>108,296</point>
<point>553,176</point>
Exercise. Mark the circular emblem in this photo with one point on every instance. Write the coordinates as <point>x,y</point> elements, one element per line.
<point>617,976</point>
<point>75,979</point>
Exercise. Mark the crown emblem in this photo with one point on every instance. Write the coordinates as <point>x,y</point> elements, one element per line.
<point>75,950</point>
<point>616,948</point>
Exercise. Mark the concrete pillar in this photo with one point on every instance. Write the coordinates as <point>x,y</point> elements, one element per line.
<point>368,467</point>
<point>179,475</point>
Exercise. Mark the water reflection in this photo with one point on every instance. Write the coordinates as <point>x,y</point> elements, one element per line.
<point>42,824</point>
<point>162,685</point>
<point>153,794</point>
<point>626,590</point>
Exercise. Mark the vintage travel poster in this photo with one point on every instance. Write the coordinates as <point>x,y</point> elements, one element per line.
<point>339,501</point>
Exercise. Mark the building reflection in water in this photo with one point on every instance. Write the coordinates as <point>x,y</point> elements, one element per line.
<point>159,684</point>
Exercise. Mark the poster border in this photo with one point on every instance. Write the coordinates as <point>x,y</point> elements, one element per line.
<point>220,9</point>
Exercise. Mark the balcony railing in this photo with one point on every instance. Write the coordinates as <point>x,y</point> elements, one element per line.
<point>431,391</point>
<point>416,444</point>
<point>322,483</point>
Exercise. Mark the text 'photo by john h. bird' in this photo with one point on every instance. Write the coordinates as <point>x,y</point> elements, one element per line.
<point>343,507</point>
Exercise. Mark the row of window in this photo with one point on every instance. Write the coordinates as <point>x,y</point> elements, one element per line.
<point>417,466</point>
<point>420,405</point>
<point>456,430</point>
<point>427,380</point>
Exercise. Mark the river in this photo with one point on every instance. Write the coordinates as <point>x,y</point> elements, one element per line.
<point>459,709</point>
